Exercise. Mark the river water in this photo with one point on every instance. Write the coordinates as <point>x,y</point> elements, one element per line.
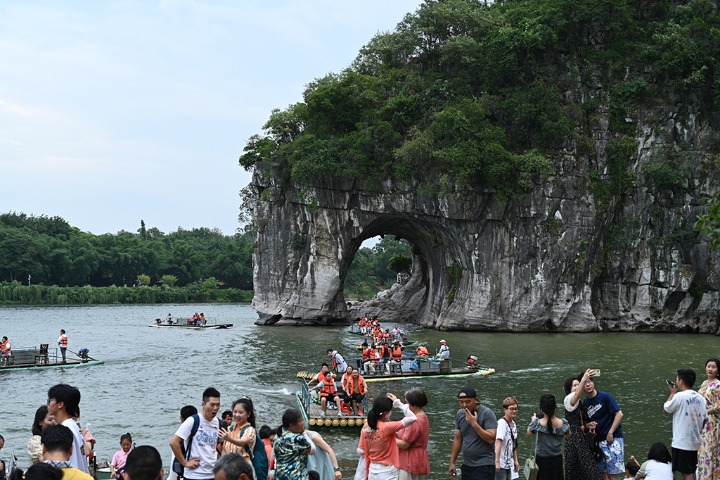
<point>150,373</point>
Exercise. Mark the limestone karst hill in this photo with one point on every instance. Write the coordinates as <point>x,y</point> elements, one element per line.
<point>547,160</point>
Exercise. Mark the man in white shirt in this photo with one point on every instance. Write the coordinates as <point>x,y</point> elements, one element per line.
<point>64,405</point>
<point>202,454</point>
<point>689,415</point>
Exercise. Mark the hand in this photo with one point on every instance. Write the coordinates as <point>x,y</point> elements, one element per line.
<point>591,427</point>
<point>497,465</point>
<point>391,396</point>
<point>470,417</point>
<point>609,439</point>
<point>451,469</point>
<point>192,463</point>
<point>223,433</point>
<point>338,475</point>
<point>517,467</point>
<point>533,418</point>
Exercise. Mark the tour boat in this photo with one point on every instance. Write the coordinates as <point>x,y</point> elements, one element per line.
<point>42,357</point>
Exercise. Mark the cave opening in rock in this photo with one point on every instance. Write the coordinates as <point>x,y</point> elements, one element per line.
<point>406,294</point>
<point>378,264</point>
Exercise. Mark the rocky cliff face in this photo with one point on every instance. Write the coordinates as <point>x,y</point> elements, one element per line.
<point>566,257</point>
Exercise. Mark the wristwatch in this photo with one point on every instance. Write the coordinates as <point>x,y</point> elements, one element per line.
<point>337,469</point>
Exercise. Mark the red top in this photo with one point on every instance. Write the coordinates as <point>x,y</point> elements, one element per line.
<point>415,459</point>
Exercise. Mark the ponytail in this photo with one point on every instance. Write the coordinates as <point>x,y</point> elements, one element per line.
<point>380,406</point>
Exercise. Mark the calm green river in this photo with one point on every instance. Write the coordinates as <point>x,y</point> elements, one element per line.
<point>150,373</point>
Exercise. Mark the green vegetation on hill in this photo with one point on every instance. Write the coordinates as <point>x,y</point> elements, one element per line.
<point>186,265</point>
<point>494,95</point>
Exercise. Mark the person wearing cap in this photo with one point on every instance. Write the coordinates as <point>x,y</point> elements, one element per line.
<point>444,352</point>
<point>475,430</point>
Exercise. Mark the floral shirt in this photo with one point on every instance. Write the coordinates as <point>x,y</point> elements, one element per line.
<point>290,458</point>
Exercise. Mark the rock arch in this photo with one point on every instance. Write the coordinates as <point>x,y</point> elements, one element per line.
<point>539,263</point>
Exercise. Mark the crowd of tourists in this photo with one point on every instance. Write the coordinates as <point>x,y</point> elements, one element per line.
<point>587,444</point>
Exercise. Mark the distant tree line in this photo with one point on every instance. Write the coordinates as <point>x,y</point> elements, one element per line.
<point>49,251</point>
<point>374,269</point>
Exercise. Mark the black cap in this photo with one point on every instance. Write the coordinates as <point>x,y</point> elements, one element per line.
<point>467,392</point>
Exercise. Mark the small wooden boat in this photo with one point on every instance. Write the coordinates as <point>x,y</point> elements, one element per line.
<point>312,413</point>
<point>42,357</point>
<point>190,326</point>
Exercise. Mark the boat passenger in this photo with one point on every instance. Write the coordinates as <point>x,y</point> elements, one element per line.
<point>6,349</point>
<point>63,343</point>
<point>327,391</point>
<point>396,357</point>
<point>321,374</point>
<point>203,321</point>
<point>169,319</point>
<point>292,447</point>
<point>338,362</point>
<point>444,352</point>
<point>356,390</point>
<point>367,356</point>
<point>422,351</point>
<point>377,438</point>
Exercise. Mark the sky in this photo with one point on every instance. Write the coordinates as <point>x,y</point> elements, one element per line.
<point>113,112</point>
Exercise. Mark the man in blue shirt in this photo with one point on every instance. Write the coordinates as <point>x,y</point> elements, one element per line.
<point>603,409</point>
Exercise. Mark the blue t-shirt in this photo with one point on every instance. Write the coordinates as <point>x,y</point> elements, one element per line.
<point>602,409</point>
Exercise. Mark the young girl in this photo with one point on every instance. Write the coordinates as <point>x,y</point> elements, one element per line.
<point>242,433</point>
<point>658,465</point>
<point>117,465</point>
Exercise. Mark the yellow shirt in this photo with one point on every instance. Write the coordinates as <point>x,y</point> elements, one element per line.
<point>72,473</point>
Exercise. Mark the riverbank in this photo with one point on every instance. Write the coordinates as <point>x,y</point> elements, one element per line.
<point>14,294</point>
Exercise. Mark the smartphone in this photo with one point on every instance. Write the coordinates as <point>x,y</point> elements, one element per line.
<point>596,372</point>
<point>670,384</point>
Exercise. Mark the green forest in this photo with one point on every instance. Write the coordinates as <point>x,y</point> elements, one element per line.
<point>473,94</point>
<point>44,260</point>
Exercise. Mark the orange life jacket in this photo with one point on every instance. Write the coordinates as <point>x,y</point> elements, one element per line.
<point>361,387</point>
<point>328,387</point>
<point>422,351</point>
<point>63,341</point>
<point>367,353</point>
<point>397,353</point>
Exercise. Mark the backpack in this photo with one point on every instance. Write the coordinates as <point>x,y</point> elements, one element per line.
<point>177,467</point>
<point>258,457</point>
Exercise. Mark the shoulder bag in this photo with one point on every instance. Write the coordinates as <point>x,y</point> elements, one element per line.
<point>531,469</point>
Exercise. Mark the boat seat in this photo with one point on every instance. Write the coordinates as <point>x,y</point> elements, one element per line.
<point>42,358</point>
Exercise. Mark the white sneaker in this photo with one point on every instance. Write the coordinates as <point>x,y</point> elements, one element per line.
<point>322,414</point>
<point>339,414</point>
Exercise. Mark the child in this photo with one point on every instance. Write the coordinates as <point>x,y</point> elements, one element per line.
<point>658,465</point>
<point>631,469</point>
<point>117,465</point>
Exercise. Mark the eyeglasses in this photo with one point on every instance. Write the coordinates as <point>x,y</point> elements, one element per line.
<point>511,408</point>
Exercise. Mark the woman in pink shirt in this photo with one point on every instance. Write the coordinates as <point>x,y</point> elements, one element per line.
<point>413,441</point>
<point>377,438</point>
